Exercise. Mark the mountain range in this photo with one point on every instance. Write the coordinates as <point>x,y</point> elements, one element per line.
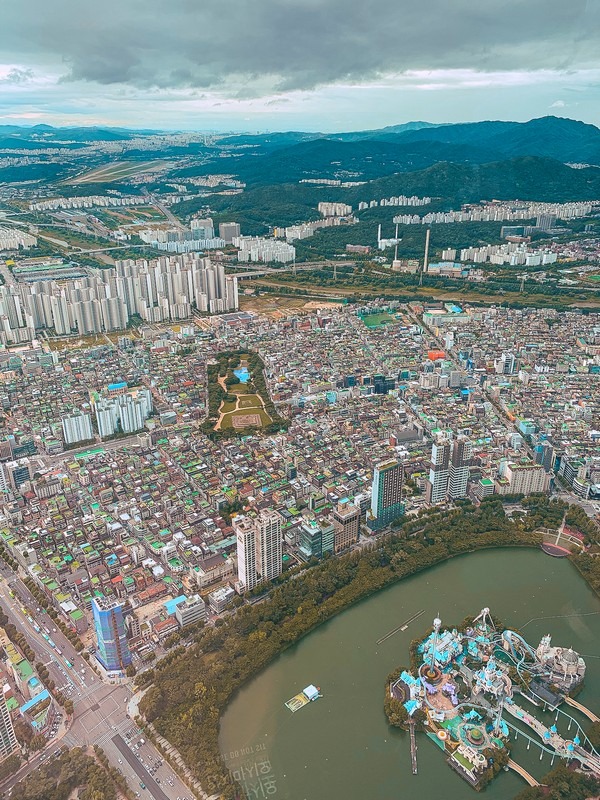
<point>290,157</point>
<point>455,163</point>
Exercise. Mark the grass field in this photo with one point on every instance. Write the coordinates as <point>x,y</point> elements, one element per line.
<point>75,238</point>
<point>250,415</point>
<point>376,320</point>
<point>117,171</point>
<point>463,295</point>
<point>242,406</point>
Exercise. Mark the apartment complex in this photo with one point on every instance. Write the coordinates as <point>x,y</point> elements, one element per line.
<point>159,290</point>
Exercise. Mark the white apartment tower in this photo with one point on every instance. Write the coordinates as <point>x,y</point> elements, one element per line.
<point>246,552</point>
<point>77,427</point>
<point>268,545</point>
<point>460,460</point>
<point>439,472</point>
<point>8,740</point>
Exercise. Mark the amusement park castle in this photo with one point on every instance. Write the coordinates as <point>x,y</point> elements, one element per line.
<point>476,688</point>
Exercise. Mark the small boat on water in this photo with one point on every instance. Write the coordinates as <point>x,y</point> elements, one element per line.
<point>306,696</point>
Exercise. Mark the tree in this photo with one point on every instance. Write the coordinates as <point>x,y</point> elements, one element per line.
<point>10,765</point>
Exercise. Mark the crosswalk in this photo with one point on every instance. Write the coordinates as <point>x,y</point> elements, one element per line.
<point>121,729</point>
<point>70,741</point>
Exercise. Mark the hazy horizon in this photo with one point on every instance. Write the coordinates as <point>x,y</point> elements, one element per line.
<point>265,131</point>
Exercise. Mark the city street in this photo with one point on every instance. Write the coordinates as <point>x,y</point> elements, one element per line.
<point>100,715</point>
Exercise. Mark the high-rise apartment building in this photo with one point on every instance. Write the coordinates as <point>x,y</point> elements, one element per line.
<point>259,548</point>
<point>346,520</point>
<point>386,494</point>
<point>268,545</point>
<point>526,477</point>
<point>460,460</point>
<point>112,648</point>
<point>439,472</point>
<point>245,535</point>
<point>77,427</point>
<point>8,740</point>
<point>88,317</point>
<point>203,228</point>
<point>228,231</point>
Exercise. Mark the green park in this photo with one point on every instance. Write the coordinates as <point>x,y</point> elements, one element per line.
<point>238,397</point>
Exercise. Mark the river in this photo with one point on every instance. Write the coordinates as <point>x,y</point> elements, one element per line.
<point>341,747</point>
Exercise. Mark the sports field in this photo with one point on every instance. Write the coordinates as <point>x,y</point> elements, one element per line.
<point>376,320</point>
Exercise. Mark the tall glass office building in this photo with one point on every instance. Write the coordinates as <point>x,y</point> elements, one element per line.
<point>113,650</point>
<point>386,495</point>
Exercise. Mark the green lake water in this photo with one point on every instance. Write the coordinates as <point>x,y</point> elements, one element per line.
<point>341,747</point>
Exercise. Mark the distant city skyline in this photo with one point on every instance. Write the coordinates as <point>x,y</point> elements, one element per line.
<point>296,65</point>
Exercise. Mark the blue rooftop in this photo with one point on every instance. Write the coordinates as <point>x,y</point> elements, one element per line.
<point>171,605</point>
<point>35,700</point>
<point>112,387</point>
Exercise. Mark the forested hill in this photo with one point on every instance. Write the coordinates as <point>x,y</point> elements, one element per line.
<point>525,178</point>
<point>364,155</point>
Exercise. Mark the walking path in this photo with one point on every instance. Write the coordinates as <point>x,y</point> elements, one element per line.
<point>522,772</point>
<point>171,753</point>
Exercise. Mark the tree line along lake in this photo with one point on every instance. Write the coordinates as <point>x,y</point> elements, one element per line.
<point>341,747</point>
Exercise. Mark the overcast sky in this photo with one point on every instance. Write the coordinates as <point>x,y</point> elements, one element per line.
<point>296,64</point>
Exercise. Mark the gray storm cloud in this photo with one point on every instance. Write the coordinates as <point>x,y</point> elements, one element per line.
<point>292,44</point>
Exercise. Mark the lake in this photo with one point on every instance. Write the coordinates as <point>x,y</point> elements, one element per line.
<point>341,747</point>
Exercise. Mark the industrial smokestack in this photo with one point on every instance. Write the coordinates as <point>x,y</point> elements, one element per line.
<point>426,258</point>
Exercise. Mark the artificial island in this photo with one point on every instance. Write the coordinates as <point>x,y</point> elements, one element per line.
<point>475,688</point>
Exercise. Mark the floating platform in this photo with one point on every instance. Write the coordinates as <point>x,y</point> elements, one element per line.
<point>306,696</point>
